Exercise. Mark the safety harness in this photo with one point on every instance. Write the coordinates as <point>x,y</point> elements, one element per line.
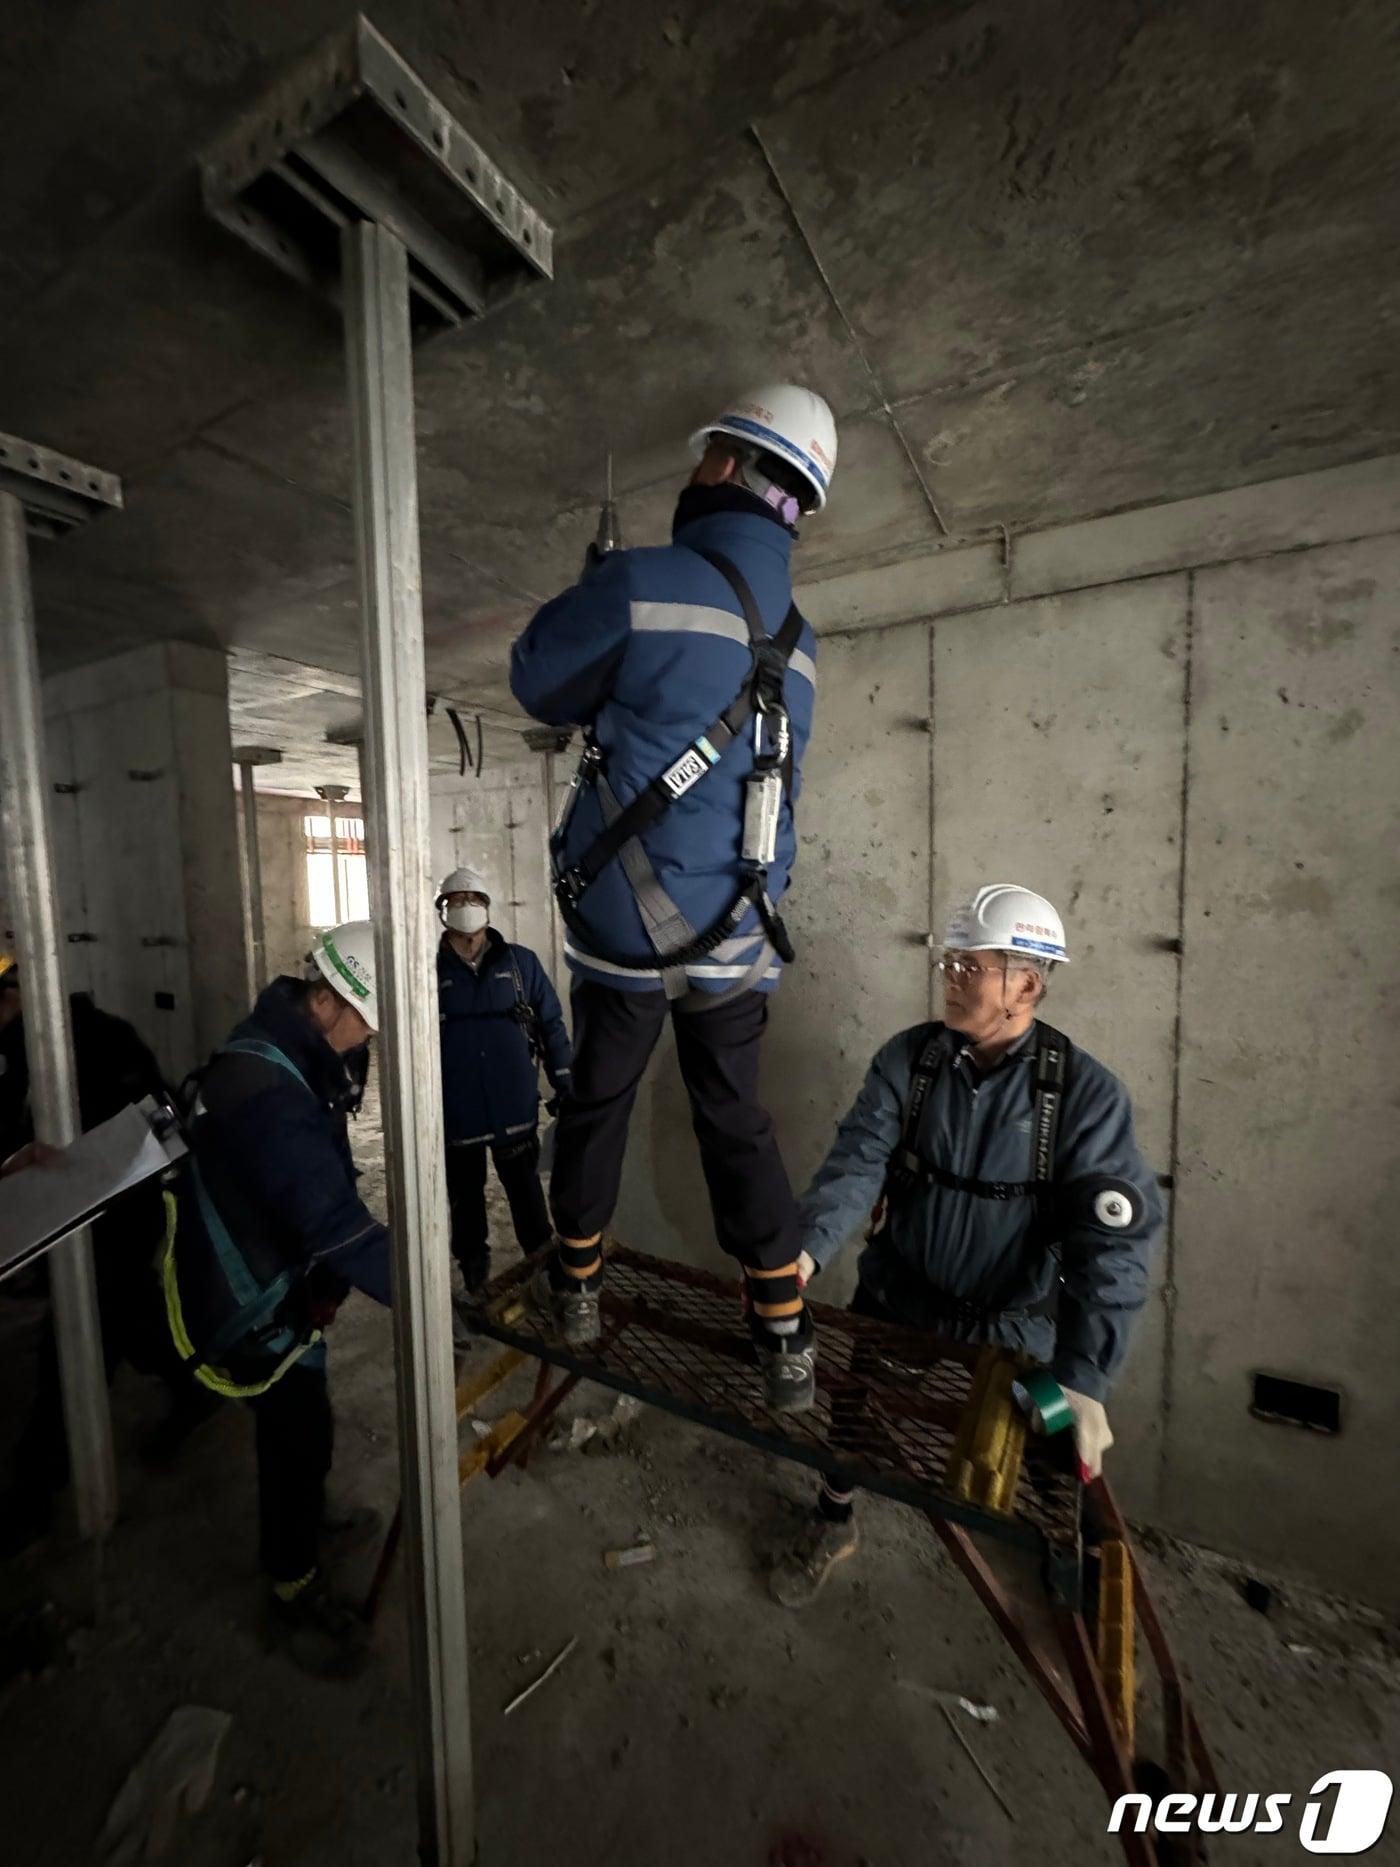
<point>910,1167</point>
<point>257,1318</point>
<point>761,700</point>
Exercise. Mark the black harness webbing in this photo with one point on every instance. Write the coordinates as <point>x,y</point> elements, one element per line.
<point>524,1012</point>
<point>910,1167</point>
<point>762,693</point>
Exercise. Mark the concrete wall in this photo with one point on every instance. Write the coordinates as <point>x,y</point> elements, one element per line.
<point>1195,753</point>
<point>287,927</point>
<point>146,844</point>
<point>499,823</point>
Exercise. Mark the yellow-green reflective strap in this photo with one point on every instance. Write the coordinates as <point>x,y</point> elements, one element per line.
<point>215,1379</point>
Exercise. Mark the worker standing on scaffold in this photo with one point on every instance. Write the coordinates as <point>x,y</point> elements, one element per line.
<point>692,674</point>
<point>1013,1204</point>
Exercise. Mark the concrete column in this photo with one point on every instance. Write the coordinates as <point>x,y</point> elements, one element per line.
<point>150,881</point>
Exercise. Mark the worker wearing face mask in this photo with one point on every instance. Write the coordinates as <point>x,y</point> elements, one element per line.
<point>1012,1205</point>
<point>499,1020</point>
<point>269,1237</point>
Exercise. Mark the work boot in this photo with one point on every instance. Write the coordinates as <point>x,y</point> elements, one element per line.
<point>319,1634</point>
<point>814,1552</point>
<point>789,1364</point>
<point>570,1305</point>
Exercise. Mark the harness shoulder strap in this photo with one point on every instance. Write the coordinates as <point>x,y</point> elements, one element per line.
<point>524,1010</point>
<point>1052,1056</point>
<point>258,1047</point>
<point>926,1067</point>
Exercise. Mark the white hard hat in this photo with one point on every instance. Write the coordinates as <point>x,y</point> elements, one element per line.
<point>464,882</point>
<point>785,420</point>
<point>1006,919</point>
<point>344,957</point>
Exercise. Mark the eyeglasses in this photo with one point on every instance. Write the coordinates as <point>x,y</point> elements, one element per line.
<point>954,966</point>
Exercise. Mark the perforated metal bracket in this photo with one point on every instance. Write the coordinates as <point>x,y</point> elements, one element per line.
<point>57,492</point>
<point>352,133</point>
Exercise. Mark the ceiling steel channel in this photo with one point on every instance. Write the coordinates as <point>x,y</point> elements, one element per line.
<point>57,492</point>
<point>350,134</point>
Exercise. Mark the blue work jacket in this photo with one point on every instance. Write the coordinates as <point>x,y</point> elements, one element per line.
<point>647,650</point>
<point>268,1204</point>
<point>996,1256</point>
<point>490,1082</point>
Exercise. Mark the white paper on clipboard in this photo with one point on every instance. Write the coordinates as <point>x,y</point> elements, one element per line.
<point>43,1205</point>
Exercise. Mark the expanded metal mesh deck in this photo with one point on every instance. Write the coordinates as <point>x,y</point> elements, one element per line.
<point>888,1405</point>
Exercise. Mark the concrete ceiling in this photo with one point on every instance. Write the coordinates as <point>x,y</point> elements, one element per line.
<point>312,716</point>
<point>1045,261</point>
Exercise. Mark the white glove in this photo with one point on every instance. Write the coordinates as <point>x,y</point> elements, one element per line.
<point>806,1267</point>
<point>1092,1433</point>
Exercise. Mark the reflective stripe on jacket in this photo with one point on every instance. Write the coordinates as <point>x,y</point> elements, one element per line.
<point>991,1255</point>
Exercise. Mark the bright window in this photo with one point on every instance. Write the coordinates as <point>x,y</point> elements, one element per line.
<point>351,903</point>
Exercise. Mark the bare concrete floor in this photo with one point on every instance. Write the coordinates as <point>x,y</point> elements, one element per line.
<point>694,1723</point>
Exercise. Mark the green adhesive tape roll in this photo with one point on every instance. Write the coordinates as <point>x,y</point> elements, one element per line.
<point>1041,1395</point>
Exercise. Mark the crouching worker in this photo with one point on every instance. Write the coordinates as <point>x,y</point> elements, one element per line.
<point>1013,1204</point>
<point>499,1019</point>
<point>271,1235</point>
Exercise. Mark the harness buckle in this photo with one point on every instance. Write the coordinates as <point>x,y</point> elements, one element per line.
<point>571,885</point>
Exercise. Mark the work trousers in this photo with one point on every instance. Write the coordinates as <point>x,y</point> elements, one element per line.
<point>755,1214</point>
<point>517,1163</point>
<point>295,1438</point>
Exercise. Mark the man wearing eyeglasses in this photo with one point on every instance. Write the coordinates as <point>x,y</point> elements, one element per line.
<point>1011,1202</point>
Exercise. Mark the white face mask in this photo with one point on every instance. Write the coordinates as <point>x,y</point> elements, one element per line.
<point>470,918</point>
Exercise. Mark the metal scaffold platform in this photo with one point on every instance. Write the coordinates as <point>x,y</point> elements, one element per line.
<point>929,1422</point>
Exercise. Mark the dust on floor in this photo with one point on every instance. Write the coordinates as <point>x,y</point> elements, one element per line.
<point>693,1722</point>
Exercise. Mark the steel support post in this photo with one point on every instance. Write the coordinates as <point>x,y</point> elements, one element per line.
<point>396,766</point>
<point>48,1038</point>
<point>252,869</point>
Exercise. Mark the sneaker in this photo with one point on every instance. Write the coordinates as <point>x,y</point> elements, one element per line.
<point>814,1552</point>
<point>319,1634</point>
<point>789,1364</point>
<point>573,1310</point>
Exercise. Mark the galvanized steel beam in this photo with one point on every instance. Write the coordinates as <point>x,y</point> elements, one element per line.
<point>378,345</point>
<point>48,1037</point>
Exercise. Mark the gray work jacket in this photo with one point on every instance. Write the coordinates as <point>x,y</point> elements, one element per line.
<point>1066,1292</point>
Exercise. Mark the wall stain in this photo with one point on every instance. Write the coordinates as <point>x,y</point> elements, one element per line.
<point>1301,895</point>
<point>1346,727</point>
<point>1312,631</point>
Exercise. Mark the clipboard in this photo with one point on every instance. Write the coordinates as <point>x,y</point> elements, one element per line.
<point>43,1205</point>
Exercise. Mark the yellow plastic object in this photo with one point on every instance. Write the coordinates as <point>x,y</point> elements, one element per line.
<point>1115,1634</point>
<point>984,1466</point>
